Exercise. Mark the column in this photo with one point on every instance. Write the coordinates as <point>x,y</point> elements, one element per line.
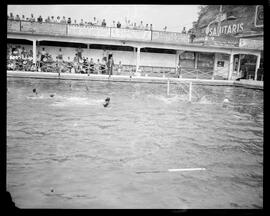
<point>196,60</point>
<point>257,66</point>
<point>215,65</point>
<point>134,58</point>
<point>138,58</point>
<point>239,64</point>
<point>34,51</point>
<point>230,67</point>
<point>88,45</point>
<point>176,58</point>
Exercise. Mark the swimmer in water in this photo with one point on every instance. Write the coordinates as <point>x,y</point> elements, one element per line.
<point>107,102</point>
<point>35,91</point>
<point>225,102</point>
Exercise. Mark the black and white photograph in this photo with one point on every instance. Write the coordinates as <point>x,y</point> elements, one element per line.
<point>141,106</point>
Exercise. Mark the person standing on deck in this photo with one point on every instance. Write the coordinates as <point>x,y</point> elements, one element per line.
<point>110,66</point>
<point>178,69</point>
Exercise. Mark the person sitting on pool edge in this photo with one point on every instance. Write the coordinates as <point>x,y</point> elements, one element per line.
<point>107,102</point>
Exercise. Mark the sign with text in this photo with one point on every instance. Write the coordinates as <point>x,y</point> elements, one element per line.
<point>88,31</point>
<point>43,28</point>
<point>251,44</point>
<point>229,29</point>
<point>13,26</point>
<point>131,34</point>
<point>259,16</point>
<point>170,37</point>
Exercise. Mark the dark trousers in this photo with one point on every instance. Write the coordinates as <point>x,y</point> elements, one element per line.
<point>110,70</point>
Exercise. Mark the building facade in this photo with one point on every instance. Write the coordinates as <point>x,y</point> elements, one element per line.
<point>208,56</point>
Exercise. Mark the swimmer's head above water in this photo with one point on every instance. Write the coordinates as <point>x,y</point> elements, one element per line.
<point>107,101</point>
<point>34,91</point>
<point>225,102</point>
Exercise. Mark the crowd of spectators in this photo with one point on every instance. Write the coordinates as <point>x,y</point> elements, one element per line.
<point>21,60</point>
<point>95,22</point>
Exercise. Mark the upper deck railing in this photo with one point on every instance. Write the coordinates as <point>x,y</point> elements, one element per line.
<point>87,31</point>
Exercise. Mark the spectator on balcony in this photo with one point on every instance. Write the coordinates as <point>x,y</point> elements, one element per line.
<point>128,24</point>
<point>69,21</point>
<point>75,23</point>
<point>191,37</point>
<point>94,21</point>
<point>184,30</point>
<point>114,24</point>
<point>48,20</point>
<point>146,27</point>
<point>39,19</point>
<point>63,21</point>
<point>23,18</point>
<point>17,18</point>
<point>11,17</point>
<point>52,19</point>
<point>141,25</point>
<point>103,24</point>
<point>165,28</point>
<point>81,23</point>
<point>118,25</point>
<point>58,20</point>
<point>134,26</point>
<point>32,18</point>
<point>151,27</point>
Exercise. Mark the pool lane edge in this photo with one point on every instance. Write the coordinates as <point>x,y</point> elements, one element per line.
<point>120,78</point>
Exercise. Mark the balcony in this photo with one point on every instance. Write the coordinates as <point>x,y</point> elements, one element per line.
<point>87,31</point>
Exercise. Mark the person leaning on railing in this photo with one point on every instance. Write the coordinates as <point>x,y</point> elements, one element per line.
<point>17,18</point>
<point>11,17</point>
<point>39,19</point>
<point>103,24</point>
<point>63,20</point>
<point>32,18</point>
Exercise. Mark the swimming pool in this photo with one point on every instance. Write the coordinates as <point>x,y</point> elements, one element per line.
<point>70,152</point>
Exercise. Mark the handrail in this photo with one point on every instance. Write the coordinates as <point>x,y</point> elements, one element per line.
<point>146,35</point>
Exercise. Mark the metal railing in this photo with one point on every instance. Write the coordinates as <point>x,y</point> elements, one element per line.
<point>90,31</point>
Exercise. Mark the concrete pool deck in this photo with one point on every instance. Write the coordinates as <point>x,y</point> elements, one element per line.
<point>121,78</point>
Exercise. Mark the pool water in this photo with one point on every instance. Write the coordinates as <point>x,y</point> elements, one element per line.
<point>68,151</point>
